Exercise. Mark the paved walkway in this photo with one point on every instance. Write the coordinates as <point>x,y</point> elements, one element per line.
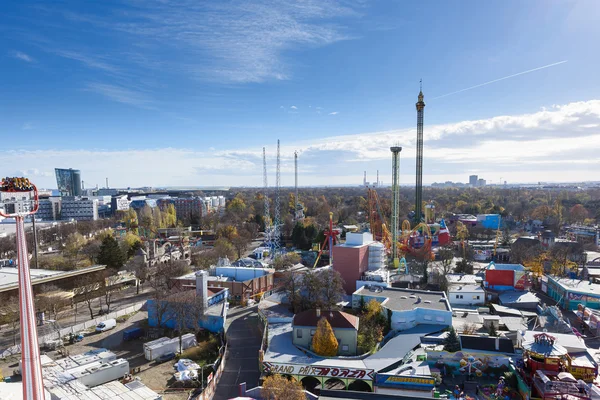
<point>243,338</point>
<point>67,318</point>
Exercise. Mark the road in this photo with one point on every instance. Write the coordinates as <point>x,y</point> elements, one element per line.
<point>67,317</point>
<point>243,338</point>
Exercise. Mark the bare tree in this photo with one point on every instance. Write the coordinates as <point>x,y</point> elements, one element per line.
<point>291,284</point>
<point>240,243</point>
<point>159,280</point>
<point>332,288</point>
<point>111,280</point>
<point>187,311</point>
<point>51,299</point>
<point>10,314</point>
<point>87,288</point>
<point>140,269</point>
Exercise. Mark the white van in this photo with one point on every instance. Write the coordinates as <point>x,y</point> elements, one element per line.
<point>106,325</point>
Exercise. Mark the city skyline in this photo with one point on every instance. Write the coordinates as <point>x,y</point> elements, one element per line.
<point>149,95</point>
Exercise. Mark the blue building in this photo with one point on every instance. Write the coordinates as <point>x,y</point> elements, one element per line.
<point>408,308</point>
<point>569,293</point>
<point>213,301</point>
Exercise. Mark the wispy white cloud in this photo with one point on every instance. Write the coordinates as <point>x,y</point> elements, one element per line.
<point>333,113</point>
<point>557,144</point>
<point>121,94</point>
<point>91,61</point>
<point>22,56</point>
<point>231,41</point>
<point>294,107</point>
<point>27,126</point>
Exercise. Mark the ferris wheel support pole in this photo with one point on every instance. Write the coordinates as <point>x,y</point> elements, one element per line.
<point>30,352</point>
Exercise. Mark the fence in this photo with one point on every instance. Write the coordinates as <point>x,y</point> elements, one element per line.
<point>211,387</point>
<point>56,335</point>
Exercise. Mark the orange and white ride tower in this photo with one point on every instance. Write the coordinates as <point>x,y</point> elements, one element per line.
<point>19,198</point>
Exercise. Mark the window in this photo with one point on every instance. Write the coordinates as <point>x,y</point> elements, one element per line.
<point>459,296</point>
<point>299,333</point>
<point>345,347</point>
<point>312,332</point>
<point>475,297</point>
<point>439,319</point>
<point>427,318</point>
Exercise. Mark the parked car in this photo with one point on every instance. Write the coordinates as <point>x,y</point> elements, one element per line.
<point>106,325</point>
<point>165,357</point>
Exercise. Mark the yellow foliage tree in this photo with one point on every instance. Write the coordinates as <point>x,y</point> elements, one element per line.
<point>324,342</point>
<point>277,387</point>
<point>536,265</point>
<point>227,231</point>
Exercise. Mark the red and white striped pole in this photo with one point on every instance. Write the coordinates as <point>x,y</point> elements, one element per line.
<point>31,366</point>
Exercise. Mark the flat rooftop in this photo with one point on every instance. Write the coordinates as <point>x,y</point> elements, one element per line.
<point>464,288</point>
<point>577,285</point>
<point>407,299</point>
<point>9,276</point>
<point>463,279</point>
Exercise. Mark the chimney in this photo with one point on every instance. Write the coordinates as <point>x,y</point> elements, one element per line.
<point>497,343</point>
<point>318,313</point>
<point>242,389</point>
<point>201,291</point>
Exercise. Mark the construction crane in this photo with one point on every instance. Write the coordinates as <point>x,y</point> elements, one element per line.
<point>331,239</point>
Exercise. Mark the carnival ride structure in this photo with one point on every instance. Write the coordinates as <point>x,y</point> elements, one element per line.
<point>416,241</point>
<point>331,239</point>
<point>25,202</point>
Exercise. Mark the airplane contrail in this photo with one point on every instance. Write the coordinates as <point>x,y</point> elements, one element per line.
<point>501,79</point>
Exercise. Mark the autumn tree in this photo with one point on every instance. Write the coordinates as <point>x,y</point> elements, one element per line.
<point>132,243</point>
<point>204,259</point>
<point>285,261</point>
<point>73,246</point>
<point>578,213</point>
<point>451,342</point>
<point>371,327</point>
<point>277,387</point>
<point>543,212</point>
<point>130,218</point>
<point>170,216</point>
<point>324,342</point>
<point>227,232</point>
<point>223,248</point>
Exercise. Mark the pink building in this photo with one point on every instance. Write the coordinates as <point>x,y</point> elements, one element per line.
<point>351,259</point>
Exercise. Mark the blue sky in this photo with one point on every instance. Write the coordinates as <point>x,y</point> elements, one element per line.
<point>178,93</point>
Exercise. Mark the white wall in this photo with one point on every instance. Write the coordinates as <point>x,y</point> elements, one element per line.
<point>466,298</point>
